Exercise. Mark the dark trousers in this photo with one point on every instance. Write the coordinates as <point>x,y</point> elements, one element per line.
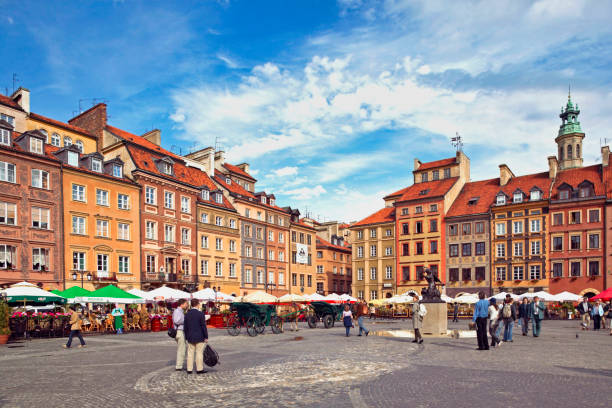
<point>493,326</point>
<point>525,325</point>
<point>417,335</point>
<point>481,333</point>
<point>596,322</point>
<point>455,317</point>
<point>72,334</point>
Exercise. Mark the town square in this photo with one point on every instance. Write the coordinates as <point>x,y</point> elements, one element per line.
<point>360,203</point>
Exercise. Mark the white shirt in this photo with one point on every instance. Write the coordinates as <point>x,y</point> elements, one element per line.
<point>493,313</point>
<point>347,313</point>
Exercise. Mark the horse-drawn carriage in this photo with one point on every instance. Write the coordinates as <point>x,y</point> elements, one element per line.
<point>326,312</point>
<point>254,318</point>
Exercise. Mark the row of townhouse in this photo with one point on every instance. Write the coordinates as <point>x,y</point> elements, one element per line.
<point>86,203</point>
<point>545,231</point>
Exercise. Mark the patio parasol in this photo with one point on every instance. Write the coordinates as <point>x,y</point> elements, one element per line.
<point>566,296</point>
<point>25,292</point>
<point>292,297</point>
<point>605,295</point>
<point>109,294</point>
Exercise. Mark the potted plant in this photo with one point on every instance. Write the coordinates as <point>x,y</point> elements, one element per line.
<point>5,331</point>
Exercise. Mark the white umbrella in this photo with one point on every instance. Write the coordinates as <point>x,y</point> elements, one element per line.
<point>399,299</point>
<point>469,299</point>
<point>27,292</point>
<point>545,296</point>
<point>502,296</point>
<point>259,297</point>
<point>567,297</point>
<point>206,294</point>
<point>224,297</point>
<point>446,299</point>
<point>291,297</point>
<point>141,293</point>
<point>167,293</point>
<point>315,297</point>
<point>348,298</point>
<point>333,297</point>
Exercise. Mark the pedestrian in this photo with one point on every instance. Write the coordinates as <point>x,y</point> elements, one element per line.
<point>494,322</point>
<point>76,321</point>
<point>598,314</point>
<point>178,321</point>
<point>418,314</point>
<point>362,310</point>
<point>610,316</point>
<point>372,311</point>
<point>295,309</point>
<point>347,319</point>
<point>537,315</point>
<point>118,313</point>
<point>585,313</point>
<point>455,312</point>
<point>523,315</point>
<point>196,336</point>
<point>606,308</point>
<point>481,314</point>
<point>509,317</point>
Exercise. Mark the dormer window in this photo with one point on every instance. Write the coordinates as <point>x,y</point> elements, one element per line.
<point>117,170</point>
<point>563,194</point>
<point>535,195</point>
<point>228,180</point>
<point>73,159</point>
<point>5,137</point>
<point>79,145</point>
<point>167,168</point>
<point>501,199</point>
<point>219,198</point>
<point>36,145</point>
<point>518,197</point>
<point>96,165</point>
<point>263,199</point>
<point>423,177</point>
<point>67,141</point>
<point>272,201</point>
<point>205,195</point>
<point>473,200</point>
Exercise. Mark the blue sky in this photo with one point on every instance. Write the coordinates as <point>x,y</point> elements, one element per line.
<point>329,101</point>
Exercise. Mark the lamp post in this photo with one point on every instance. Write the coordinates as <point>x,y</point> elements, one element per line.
<point>74,276</point>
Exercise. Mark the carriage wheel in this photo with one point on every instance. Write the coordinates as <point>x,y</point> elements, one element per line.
<point>260,325</point>
<point>251,326</point>
<point>328,321</point>
<point>233,326</point>
<point>275,324</point>
<point>312,321</point>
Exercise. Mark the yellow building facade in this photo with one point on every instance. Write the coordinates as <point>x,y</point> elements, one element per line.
<point>62,134</point>
<point>302,268</point>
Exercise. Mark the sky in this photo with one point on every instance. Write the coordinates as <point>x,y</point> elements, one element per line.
<point>328,101</point>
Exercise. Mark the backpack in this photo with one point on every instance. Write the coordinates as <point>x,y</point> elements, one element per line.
<point>211,358</point>
<point>507,311</point>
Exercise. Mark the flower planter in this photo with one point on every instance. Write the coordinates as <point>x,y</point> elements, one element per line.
<point>4,338</point>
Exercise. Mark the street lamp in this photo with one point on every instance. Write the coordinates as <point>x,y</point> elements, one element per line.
<point>74,276</point>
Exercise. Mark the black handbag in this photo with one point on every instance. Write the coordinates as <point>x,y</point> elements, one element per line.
<point>172,332</point>
<point>211,358</point>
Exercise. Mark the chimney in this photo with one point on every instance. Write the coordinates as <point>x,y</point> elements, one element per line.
<point>205,157</point>
<point>505,174</point>
<point>219,159</point>
<point>153,136</point>
<point>22,97</point>
<point>553,167</point>
<point>244,167</point>
<point>94,121</point>
<point>605,156</point>
<point>417,164</point>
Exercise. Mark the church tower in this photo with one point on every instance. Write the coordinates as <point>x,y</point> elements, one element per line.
<point>569,140</point>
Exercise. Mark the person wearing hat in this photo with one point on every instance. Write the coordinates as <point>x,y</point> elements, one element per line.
<point>418,313</point>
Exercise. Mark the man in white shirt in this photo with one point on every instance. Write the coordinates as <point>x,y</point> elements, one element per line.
<point>178,319</point>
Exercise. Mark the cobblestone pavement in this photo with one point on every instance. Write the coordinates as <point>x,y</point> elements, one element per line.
<point>324,368</point>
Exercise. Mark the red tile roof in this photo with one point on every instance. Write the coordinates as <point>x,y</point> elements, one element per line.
<point>57,123</point>
<point>238,171</point>
<point>485,192</point>
<point>140,141</point>
<point>321,243</point>
<point>574,177</point>
<point>428,189</point>
<point>397,193</point>
<point>385,215</point>
<point>437,163</point>
<point>5,100</point>
<point>526,183</point>
<point>49,149</point>
<point>233,187</point>
<point>303,224</point>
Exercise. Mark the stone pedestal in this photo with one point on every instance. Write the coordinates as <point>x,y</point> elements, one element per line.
<point>435,322</point>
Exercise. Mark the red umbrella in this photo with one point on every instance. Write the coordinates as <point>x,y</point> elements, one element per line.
<point>605,295</point>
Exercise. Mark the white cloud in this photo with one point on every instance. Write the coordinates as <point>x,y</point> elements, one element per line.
<point>285,171</point>
<point>228,61</point>
<point>305,193</point>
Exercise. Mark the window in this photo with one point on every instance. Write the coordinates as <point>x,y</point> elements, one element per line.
<point>78,225</point>
<point>536,248</point>
<point>388,251</point>
<point>123,201</point>
<point>117,170</point>
<point>260,253</point>
<point>424,177</point>
<point>40,259</point>
<point>281,237</point>
<point>185,204</point>
<point>169,233</point>
<point>73,159</point>
<point>309,281</point>
<point>593,241</point>
<point>219,199</point>
<point>204,218</point>
<point>453,250</point>
<point>233,223</point>
<point>205,195</point>
<point>466,229</point>
<point>78,193</point>
<point>247,251</point>
<point>518,249</point>
<point>453,274</point>
<point>5,137</point>
<point>78,261</point>
<point>466,249</point>
<point>319,268</point>
<point>102,228</point>
<point>433,247</point>
<point>500,273</point>
<point>517,197</point>
<point>466,274</point>
<point>433,225</point>
<point>40,179</point>
<point>419,248</point>
<point>360,252</point>
<point>372,251</point>
<point>169,200</point>
<point>517,227</point>
<point>258,233</point>
<point>575,217</point>
<point>575,269</point>
<point>535,225</point>
<point>150,262</point>
<point>593,215</point>
<point>123,231</point>
<point>281,256</point>
<point>452,229</point>
<point>167,168</point>
<point>517,273</point>
<point>270,255</point>
<point>102,197</point>
<point>405,249</point>
<point>557,244</point>
<point>248,276</point>
<point>500,228</point>
<point>219,221</point>
<point>218,269</point>
<point>418,227</point>
<point>96,165</point>
<point>557,270</point>
<point>419,273</point>
<point>36,145</point>
<point>373,273</point>
<point>8,213</point>
<point>575,242</point>
<point>7,172</point>
<point>480,273</point>
<point>435,175</point>
<point>232,270</point>
<point>563,194</point>
<point>405,228</point>
<point>405,273</point>
<point>260,277</point>
<point>270,235</point>
<point>447,173</point>
<point>500,199</point>
<point>535,272</point>
<point>359,234</point>
<point>185,236</point>
<point>124,264</point>
<point>102,265</point>
<point>360,274</point>
<point>500,250</point>
<point>535,195</point>
<point>433,208</point>
<point>388,272</point>
<point>593,268</point>
<point>219,246</point>
<point>67,141</point>
<point>479,228</point>
<point>558,219</point>
<point>79,145</point>
<point>9,119</point>
<point>150,195</point>
<point>405,211</point>
<point>418,210</point>
<point>150,230</point>
<point>232,245</point>
<point>204,268</point>
<point>247,213</point>
<point>479,248</point>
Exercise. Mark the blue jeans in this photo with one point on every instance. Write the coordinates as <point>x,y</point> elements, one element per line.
<point>348,329</point>
<point>361,326</point>
<point>536,327</point>
<point>508,329</point>
<point>75,333</point>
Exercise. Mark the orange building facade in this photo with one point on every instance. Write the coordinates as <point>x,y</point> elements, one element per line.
<point>334,267</point>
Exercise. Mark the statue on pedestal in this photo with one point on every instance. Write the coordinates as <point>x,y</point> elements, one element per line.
<point>431,294</point>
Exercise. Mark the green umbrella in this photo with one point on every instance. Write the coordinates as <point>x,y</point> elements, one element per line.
<point>109,294</point>
<point>75,291</point>
<point>56,292</point>
<point>24,292</point>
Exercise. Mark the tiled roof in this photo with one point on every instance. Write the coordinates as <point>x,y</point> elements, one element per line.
<point>303,224</point>
<point>5,100</point>
<point>526,183</point>
<point>141,141</point>
<point>239,171</point>
<point>321,243</point>
<point>475,198</point>
<point>428,189</point>
<point>385,215</point>
<point>437,163</point>
<point>57,123</point>
<point>397,193</point>
<point>233,187</point>
<point>574,177</point>
<point>49,149</point>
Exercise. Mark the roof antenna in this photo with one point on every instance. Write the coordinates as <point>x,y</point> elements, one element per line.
<point>15,80</point>
<point>457,142</point>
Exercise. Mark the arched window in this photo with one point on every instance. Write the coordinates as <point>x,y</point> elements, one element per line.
<point>67,141</point>
<point>79,144</point>
<point>569,151</point>
<point>577,151</point>
<point>561,153</point>
<point>56,140</point>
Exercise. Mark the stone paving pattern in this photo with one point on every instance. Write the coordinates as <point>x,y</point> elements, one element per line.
<point>324,369</point>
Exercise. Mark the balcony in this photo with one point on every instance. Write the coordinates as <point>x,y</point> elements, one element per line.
<point>163,277</point>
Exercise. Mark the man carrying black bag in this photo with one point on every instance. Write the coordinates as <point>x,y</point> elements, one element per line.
<point>211,358</point>
<point>196,336</point>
